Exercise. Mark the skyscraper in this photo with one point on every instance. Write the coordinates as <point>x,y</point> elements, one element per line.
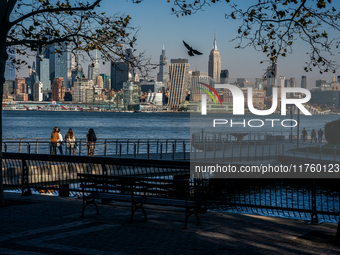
<point>303,82</point>
<point>214,64</point>
<point>123,71</point>
<point>43,71</point>
<point>271,78</point>
<point>58,61</point>
<point>10,69</point>
<point>163,68</point>
<point>58,89</point>
<point>119,74</point>
<point>94,70</point>
<point>224,76</point>
<point>178,78</point>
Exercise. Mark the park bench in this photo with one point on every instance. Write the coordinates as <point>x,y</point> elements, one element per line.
<point>138,191</point>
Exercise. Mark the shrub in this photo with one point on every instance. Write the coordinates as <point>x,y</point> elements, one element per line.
<point>332,132</point>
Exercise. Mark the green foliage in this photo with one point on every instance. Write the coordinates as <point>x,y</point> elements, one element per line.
<point>332,132</point>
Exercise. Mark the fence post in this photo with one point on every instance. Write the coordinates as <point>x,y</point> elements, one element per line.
<point>25,189</point>
<point>161,150</point>
<point>80,147</point>
<point>20,146</point>
<point>105,147</point>
<point>248,151</point>
<point>232,151</point>
<point>28,147</point>
<point>127,147</point>
<point>255,150</point>
<point>134,150</point>
<point>314,215</point>
<point>36,146</point>
<point>183,150</point>
<point>240,151</point>
<point>120,150</point>
<point>173,151</point>
<point>148,149</point>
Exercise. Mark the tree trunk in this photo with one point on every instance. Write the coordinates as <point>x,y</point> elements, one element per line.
<point>3,58</point>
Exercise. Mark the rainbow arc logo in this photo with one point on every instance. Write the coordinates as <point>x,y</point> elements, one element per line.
<point>209,93</point>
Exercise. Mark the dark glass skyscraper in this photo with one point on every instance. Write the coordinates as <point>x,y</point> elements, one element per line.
<point>119,74</point>
<point>58,62</point>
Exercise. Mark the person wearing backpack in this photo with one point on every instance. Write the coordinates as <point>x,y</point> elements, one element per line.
<point>91,141</point>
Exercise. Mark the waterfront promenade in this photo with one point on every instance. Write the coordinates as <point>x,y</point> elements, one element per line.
<point>41,224</point>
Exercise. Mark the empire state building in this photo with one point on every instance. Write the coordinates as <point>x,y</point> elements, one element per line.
<point>214,64</point>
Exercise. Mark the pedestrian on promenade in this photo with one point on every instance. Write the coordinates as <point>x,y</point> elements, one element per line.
<point>304,134</point>
<point>60,142</point>
<point>71,143</point>
<point>54,140</point>
<point>313,136</point>
<point>320,134</point>
<point>91,141</point>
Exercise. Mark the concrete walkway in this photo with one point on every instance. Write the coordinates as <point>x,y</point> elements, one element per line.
<point>42,224</point>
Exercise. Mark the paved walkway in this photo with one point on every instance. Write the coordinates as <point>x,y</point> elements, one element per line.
<point>42,224</point>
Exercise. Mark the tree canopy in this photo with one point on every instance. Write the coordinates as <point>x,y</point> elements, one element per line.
<point>275,26</point>
<point>30,27</point>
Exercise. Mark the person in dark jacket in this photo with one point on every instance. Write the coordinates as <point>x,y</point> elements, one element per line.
<point>313,136</point>
<point>304,134</point>
<point>91,141</point>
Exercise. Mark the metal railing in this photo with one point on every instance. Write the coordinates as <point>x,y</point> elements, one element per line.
<point>247,136</point>
<point>320,152</point>
<point>300,198</point>
<point>58,173</point>
<point>310,199</point>
<point>246,151</point>
<point>171,149</point>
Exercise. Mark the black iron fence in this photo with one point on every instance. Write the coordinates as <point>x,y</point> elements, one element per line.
<point>58,173</point>
<point>174,149</point>
<point>310,199</point>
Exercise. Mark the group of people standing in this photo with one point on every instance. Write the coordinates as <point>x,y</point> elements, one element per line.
<point>312,135</point>
<point>70,140</point>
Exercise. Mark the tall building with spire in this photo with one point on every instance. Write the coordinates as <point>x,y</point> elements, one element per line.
<point>163,67</point>
<point>214,64</point>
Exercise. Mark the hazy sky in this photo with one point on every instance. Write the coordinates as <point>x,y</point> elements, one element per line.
<point>157,26</point>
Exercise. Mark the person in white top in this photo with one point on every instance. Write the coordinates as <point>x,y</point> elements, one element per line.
<point>60,141</point>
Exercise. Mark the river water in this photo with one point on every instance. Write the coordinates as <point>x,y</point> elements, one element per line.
<point>113,125</point>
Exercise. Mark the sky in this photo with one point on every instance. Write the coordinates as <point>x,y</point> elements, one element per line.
<point>158,26</point>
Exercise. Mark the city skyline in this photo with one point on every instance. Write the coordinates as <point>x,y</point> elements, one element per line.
<point>198,30</point>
